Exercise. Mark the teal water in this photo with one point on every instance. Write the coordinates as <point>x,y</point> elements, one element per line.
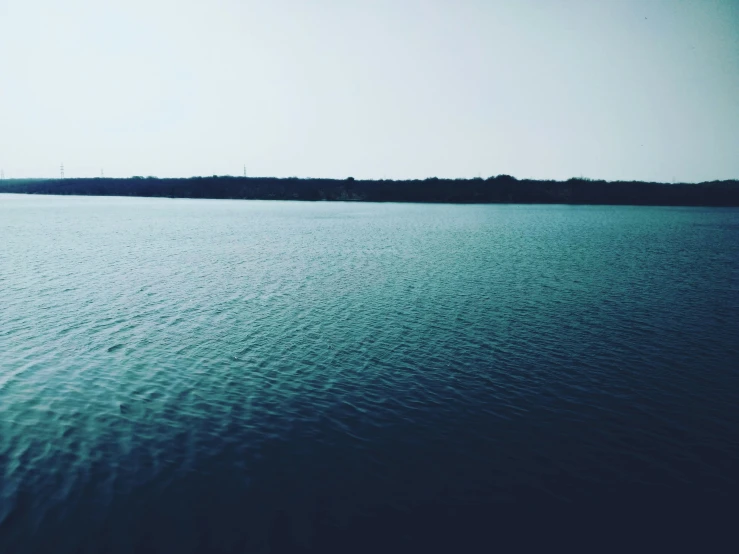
<point>245,376</point>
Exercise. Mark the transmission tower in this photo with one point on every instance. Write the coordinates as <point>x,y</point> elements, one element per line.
<point>245,171</point>
<point>61,171</point>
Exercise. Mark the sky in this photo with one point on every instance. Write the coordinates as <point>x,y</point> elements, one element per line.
<point>546,89</point>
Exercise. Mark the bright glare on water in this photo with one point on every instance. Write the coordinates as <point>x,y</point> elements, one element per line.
<point>237,376</point>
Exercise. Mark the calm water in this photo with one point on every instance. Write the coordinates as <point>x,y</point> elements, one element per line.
<point>234,376</point>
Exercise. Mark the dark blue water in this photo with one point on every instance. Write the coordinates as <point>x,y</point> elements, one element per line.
<point>233,376</point>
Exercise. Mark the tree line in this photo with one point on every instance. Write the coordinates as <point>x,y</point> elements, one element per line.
<point>498,189</point>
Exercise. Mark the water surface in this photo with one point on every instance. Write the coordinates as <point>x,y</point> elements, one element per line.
<point>245,376</point>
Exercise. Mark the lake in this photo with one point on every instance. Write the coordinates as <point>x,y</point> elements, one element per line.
<point>248,376</point>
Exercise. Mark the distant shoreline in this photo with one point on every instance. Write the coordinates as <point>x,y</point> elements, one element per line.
<point>502,189</point>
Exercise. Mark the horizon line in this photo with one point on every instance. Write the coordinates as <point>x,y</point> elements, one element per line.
<point>383,179</point>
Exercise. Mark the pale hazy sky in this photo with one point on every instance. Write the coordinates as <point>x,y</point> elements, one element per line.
<point>616,89</point>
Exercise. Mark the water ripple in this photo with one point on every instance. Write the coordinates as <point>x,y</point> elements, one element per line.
<point>187,375</point>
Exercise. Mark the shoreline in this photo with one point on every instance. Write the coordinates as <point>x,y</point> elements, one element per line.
<point>502,189</point>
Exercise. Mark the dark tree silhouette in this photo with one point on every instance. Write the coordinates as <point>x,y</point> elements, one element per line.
<point>498,189</point>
